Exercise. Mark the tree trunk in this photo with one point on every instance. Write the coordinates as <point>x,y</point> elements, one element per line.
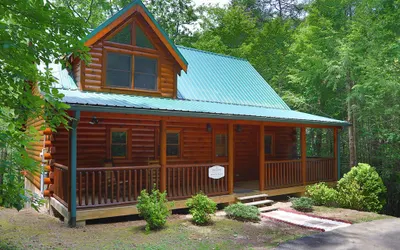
<point>350,119</point>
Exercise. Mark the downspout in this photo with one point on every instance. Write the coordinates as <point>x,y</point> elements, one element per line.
<point>73,141</point>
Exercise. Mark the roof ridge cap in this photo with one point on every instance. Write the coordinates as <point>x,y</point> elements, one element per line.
<point>212,53</point>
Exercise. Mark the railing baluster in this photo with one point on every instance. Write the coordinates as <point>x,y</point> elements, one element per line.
<point>99,194</point>
<point>87,188</point>
<point>106,181</point>
<point>130,184</point>
<point>80,188</point>
<point>112,186</point>
<point>93,188</point>
<point>135,185</point>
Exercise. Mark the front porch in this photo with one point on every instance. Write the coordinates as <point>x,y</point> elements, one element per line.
<point>253,163</point>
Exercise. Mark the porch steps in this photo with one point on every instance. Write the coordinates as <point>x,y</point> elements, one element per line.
<point>258,203</point>
<point>267,209</point>
<point>252,197</point>
<point>261,201</point>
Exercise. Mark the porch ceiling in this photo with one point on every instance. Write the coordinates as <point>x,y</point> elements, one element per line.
<point>118,103</point>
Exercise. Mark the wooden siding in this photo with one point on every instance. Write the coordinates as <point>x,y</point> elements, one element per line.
<point>35,148</point>
<point>197,144</point>
<point>93,75</point>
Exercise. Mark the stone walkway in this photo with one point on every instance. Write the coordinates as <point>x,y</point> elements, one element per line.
<point>305,220</point>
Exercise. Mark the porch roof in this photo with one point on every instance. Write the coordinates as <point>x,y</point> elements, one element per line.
<point>109,102</point>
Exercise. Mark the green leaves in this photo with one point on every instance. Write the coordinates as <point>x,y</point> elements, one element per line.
<point>32,32</point>
<point>201,207</point>
<point>153,208</point>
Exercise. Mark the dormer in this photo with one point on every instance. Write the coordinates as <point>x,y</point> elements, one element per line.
<point>131,54</point>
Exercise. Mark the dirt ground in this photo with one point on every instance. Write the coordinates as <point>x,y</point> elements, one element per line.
<point>28,229</point>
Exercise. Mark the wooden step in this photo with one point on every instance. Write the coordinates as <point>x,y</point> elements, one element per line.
<point>257,196</point>
<point>267,209</point>
<point>257,203</point>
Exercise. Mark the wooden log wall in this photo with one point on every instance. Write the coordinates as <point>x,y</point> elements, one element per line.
<point>35,148</point>
<point>91,76</point>
<point>197,144</point>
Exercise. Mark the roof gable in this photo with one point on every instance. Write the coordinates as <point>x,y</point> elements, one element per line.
<point>225,79</point>
<point>122,15</point>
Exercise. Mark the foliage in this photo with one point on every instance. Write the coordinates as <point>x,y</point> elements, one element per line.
<point>303,204</point>
<point>201,207</point>
<point>362,189</point>
<point>241,212</point>
<point>175,16</point>
<point>322,195</point>
<point>153,208</point>
<point>32,33</point>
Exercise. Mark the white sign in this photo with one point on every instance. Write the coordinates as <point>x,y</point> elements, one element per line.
<point>216,172</point>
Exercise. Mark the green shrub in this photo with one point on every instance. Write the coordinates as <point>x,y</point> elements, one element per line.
<point>303,204</point>
<point>153,208</point>
<point>322,195</point>
<point>362,189</point>
<point>201,208</point>
<point>241,212</point>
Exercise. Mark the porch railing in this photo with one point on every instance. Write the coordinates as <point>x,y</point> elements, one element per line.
<point>320,169</point>
<point>61,192</point>
<point>282,173</point>
<point>183,181</point>
<point>105,186</point>
<point>288,173</point>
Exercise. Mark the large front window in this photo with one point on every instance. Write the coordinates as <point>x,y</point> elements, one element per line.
<point>125,65</point>
<point>119,73</point>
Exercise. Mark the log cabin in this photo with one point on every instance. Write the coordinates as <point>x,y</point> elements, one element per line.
<point>146,113</point>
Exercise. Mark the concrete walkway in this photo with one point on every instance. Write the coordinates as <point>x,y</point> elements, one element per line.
<point>305,220</point>
<point>379,234</point>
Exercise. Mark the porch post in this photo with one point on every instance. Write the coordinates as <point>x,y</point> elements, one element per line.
<point>231,157</point>
<point>335,153</point>
<point>262,159</point>
<point>163,155</point>
<point>303,154</point>
<point>72,168</point>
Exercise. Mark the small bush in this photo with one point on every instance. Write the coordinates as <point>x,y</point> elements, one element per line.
<point>201,208</point>
<point>241,212</point>
<point>303,204</point>
<point>153,208</point>
<point>362,189</point>
<point>322,195</point>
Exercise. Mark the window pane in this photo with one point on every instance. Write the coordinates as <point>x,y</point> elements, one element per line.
<point>268,144</point>
<point>145,65</point>
<point>143,81</point>
<point>118,150</point>
<point>118,137</point>
<point>118,72</point>
<point>221,141</point>
<point>172,138</point>
<point>142,40</point>
<point>118,79</point>
<point>119,61</point>
<point>172,150</point>
<point>124,36</point>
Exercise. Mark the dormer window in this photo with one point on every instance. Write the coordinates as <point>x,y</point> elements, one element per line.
<point>131,65</point>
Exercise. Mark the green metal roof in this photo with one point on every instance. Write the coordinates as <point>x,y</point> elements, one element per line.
<point>125,9</point>
<point>224,79</point>
<point>215,86</point>
<point>118,103</point>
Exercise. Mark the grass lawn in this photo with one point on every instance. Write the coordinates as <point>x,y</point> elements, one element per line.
<point>348,214</point>
<point>30,230</point>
